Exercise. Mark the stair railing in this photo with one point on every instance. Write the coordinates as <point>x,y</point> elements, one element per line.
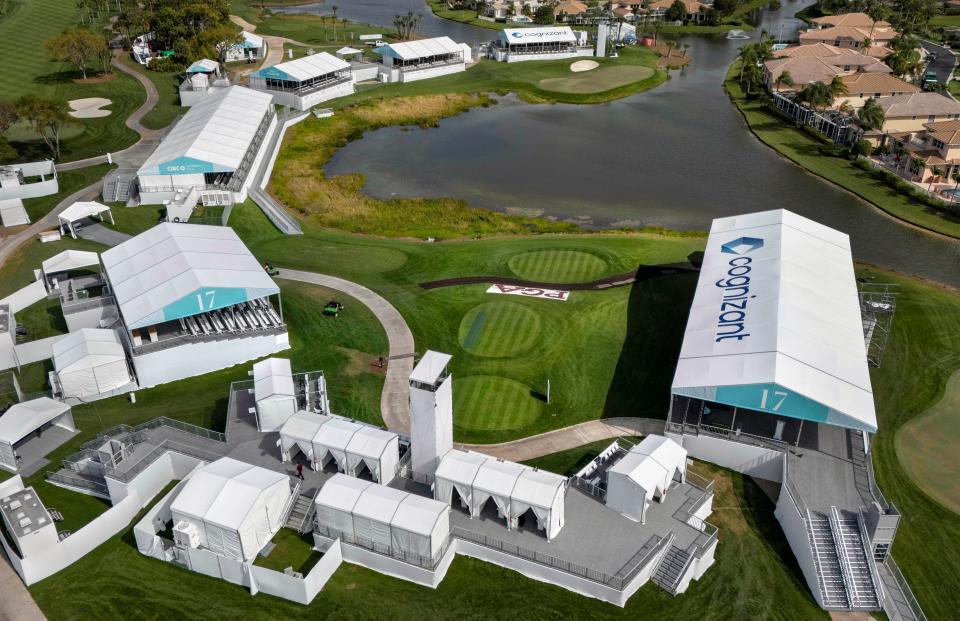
<point>850,585</point>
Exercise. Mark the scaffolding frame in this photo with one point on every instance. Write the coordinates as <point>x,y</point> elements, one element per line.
<point>878,305</point>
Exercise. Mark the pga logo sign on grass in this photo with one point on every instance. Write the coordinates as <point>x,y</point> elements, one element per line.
<point>530,292</point>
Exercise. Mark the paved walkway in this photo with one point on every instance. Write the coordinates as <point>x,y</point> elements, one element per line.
<point>103,235</point>
<point>15,601</point>
<point>394,403</point>
<point>274,47</point>
<point>569,438</point>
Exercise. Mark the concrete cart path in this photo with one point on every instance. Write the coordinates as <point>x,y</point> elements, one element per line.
<point>394,403</point>
<point>15,601</point>
<point>569,437</point>
<point>274,47</point>
<point>103,235</point>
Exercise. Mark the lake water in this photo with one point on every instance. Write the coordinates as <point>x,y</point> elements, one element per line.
<point>677,156</point>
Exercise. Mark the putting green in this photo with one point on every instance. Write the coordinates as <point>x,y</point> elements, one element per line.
<point>927,448</point>
<point>560,266</point>
<point>487,402</point>
<point>598,80</point>
<point>499,329</point>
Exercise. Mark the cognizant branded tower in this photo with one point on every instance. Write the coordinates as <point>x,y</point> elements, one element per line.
<point>431,411</point>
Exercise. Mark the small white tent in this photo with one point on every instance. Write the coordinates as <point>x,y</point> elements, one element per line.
<point>351,444</point>
<point>90,362</point>
<point>456,471</point>
<point>67,261</point>
<point>643,474</point>
<point>80,210</point>
<point>391,521</point>
<point>235,507</point>
<point>22,419</point>
<point>274,393</point>
<point>495,479</point>
<point>543,493</point>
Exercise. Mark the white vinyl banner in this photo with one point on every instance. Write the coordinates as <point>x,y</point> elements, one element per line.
<point>530,292</point>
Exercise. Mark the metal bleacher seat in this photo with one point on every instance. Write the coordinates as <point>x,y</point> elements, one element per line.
<point>183,326</point>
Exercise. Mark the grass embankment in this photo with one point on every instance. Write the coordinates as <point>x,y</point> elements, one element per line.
<point>292,550</point>
<point>28,70</point>
<point>316,30</point>
<point>69,181</point>
<point>168,107</point>
<point>807,151</point>
<point>466,16</point>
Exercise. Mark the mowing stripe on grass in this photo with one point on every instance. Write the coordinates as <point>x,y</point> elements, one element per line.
<point>475,329</point>
<point>487,402</point>
<point>499,329</point>
<point>560,266</point>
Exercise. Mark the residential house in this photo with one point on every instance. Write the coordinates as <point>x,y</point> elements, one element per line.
<point>909,113</point>
<point>934,152</point>
<point>569,10</point>
<point>696,11</point>
<point>856,20</point>
<point>849,36</point>
<point>822,68</point>
<point>863,86</point>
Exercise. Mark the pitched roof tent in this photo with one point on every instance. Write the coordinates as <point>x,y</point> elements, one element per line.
<point>204,65</point>
<point>69,260</point>
<point>213,136</point>
<point>304,68</point>
<point>775,323</point>
<point>22,419</point>
<point>547,34</point>
<point>178,270</point>
<point>412,50</point>
<point>90,361</point>
<point>80,210</point>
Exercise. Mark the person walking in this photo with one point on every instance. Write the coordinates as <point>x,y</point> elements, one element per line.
<point>300,471</point>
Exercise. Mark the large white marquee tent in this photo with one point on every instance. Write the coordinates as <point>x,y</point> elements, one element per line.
<point>22,419</point>
<point>350,444</point>
<point>274,393</point>
<point>407,524</point>
<point>775,325</point>
<point>90,362</point>
<point>643,474</point>
<point>236,508</point>
<point>514,488</point>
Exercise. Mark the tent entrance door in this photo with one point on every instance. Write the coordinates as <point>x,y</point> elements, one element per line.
<point>778,431</point>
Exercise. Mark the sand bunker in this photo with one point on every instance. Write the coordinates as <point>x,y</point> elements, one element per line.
<point>583,65</point>
<point>89,108</point>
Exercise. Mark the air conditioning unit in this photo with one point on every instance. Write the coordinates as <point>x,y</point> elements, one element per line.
<point>186,534</point>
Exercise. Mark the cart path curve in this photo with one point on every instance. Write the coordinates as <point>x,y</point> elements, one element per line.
<point>16,604</point>
<point>570,437</point>
<point>394,403</point>
<point>274,46</point>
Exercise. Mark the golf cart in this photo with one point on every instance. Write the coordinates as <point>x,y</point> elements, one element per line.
<point>332,308</point>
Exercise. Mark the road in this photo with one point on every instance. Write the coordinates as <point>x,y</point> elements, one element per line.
<point>943,65</point>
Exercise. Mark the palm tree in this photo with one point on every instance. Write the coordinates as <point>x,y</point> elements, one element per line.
<point>876,11</point>
<point>871,116</point>
<point>955,175</point>
<point>935,172</point>
<point>334,10</point>
<point>784,79</point>
<point>837,87</point>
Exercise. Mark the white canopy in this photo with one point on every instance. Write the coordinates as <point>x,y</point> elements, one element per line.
<point>548,34</point>
<point>407,524</point>
<point>213,136</point>
<point>515,488</point>
<point>90,362</point>
<point>349,443</point>
<point>235,507</point>
<point>204,65</point>
<point>348,51</point>
<point>775,324</point>
<point>646,471</point>
<point>69,260</point>
<point>274,393</point>
<point>178,270</point>
<point>80,210</point>
<point>22,419</point>
<point>412,50</point>
<point>304,68</point>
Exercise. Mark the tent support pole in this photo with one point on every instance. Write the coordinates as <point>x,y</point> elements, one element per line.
<point>734,419</point>
<point>799,431</point>
<point>280,304</point>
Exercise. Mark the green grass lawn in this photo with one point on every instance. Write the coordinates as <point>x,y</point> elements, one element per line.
<point>501,329</point>
<point>557,266</point>
<point>28,70</point>
<point>168,107</point>
<point>492,403</point>
<point>306,28</point>
<point>42,319</point>
<point>292,550</point>
<point>467,16</point>
<point>69,181</point>
<point>945,20</point>
<point>804,149</point>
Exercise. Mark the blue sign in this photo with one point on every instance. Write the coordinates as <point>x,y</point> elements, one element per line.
<point>185,166</point>
<point>774,399</point>
<point>747,244</point>
<point>203,300</point>
<point>274,74</point>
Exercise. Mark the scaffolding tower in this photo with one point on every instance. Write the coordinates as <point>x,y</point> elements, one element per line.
<point>878,304</point>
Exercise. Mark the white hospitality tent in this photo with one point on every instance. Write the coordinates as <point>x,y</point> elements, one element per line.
<point>90,362</point>
<point>204,65</point>
<point>410,526</point>
<point>421,48</point>
<point>274,393</point>
<point>80,210</point>
<point>304,69</point>
<point>543,493</point>
<point>22,419</point>
<point>775,325</point>
<point>495,479</point>
<point>643,474</point>
<point>67,261</point>
<point>350,53</point>
<point>456,471</point>
<point>178,270</point>
<point>350,444</point>
<point>236,508</point>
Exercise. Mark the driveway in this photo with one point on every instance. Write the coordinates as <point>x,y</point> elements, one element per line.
<point>943,65</point>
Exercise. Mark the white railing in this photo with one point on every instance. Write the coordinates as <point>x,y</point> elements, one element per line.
<point>846,572</point>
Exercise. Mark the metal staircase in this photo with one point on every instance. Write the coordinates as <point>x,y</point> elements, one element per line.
<point>863,584</point>
<point>301,515</point>
<point>829,572</point>
<point>671,569</point>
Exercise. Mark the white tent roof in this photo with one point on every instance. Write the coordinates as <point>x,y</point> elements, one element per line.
<point>12,212</point>
<point>87,348</point>
<point>651,463</point>
<point>498,477</point>
<point>538,488</point>
<point>225,491</point>
<point>81,210</point>
<point>411,50</point>
<point>272,378</point>
<point>157,275</point>
<point>379,503</point>
<point>69,260</point>
<point>213,136</point>
<point>338,432</point>
<point>204,65</point>
<point>663,450</point>
<point>342,492</point>
<point>549,34</point>
<point>460,466</point>
<point>305,68</point>
<point>250,40</point>
<point>430,367</point>
<point>370,442</point>
<point>775,323</point>
<point>349,50</point>
<point>304,426</point>
<point>24,418</point>
<point>419,515</point>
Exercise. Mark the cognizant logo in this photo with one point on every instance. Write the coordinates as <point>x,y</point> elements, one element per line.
<point>732,320</point>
